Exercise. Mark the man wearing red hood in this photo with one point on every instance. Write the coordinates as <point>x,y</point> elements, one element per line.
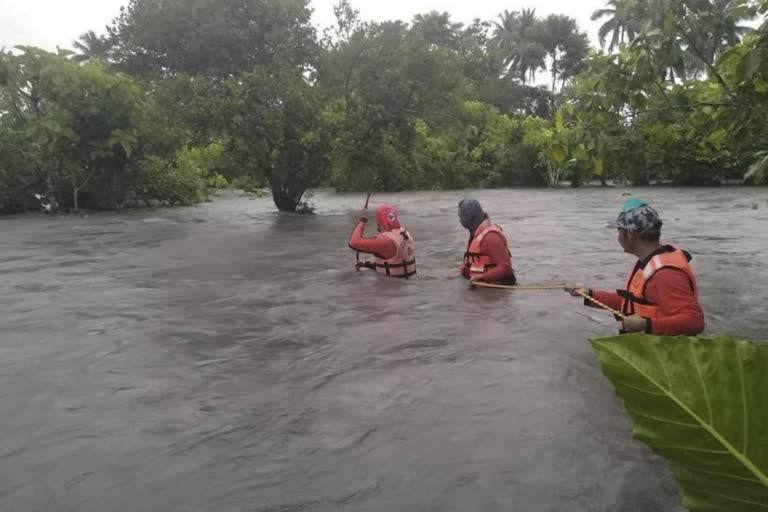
<point>392,249</point>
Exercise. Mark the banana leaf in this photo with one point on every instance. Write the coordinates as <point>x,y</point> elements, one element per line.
<point>702,404</point>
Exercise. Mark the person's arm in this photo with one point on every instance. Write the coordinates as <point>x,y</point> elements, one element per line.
<point>494,246</point>
<point>380,246</point>
<point>680,312</point>
<point>610,298</point>
<point>464,268</point>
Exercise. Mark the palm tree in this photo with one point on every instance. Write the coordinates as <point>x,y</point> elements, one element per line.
<point>531,54</point>
<point>623,22</point>
<point>528,18</point>
<point>516,35</point>
<point>691,40</point>
<point>719,28</point>
<point>437,28</point>
<point>91,46</point>
<point>505,30</point>
<point>505,37</point>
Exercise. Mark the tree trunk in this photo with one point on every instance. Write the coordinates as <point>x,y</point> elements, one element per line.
<point>554,73</point>
<point>114,192</point>
<point>284,201</point>
<point>75,190</point>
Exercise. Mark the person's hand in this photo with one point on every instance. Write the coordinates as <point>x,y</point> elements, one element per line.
<point>365,264</point>
<point>635,323</point>
<point>575,288</point>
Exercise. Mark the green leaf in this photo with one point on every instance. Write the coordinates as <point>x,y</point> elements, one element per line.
<point>670,24</point>
<point>758,169</point>
<point>761,87</point>
<point>650,34</point>
<point>558,153</point>
<point>599,166</point>
<point>559,120</point>
<point>752,63</point>
<point>700,403</point>
<point>718,136</point>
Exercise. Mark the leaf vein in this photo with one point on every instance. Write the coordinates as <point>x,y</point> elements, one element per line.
<point>692,449</point>
<point>743,399</point>
<point>730,475</point>
<point>664,369</point>
<point>665,420</point>
<point>735,500</point>
<point>703,385</point>
<point>732,449</point>
<point>641,390</point>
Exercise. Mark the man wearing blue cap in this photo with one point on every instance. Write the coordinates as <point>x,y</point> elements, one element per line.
<point>662,294</point>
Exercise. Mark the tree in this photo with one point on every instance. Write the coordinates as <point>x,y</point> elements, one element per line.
<point>217,38</point>
<point>516,35</point>
<point>437,29</point>
<point>505,30</point>
<point>277,130</point>
<point>565,46</point>
<point>347,22</point>
<point>716,25</point>
<point>384,78</point>
<point>73,123</point>
<point>91,46</point>
<point>85,136</point>
<point>623,23</point>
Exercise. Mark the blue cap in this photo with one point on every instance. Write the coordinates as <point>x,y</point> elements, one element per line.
<point>637,215</point>
<point>633,202</point>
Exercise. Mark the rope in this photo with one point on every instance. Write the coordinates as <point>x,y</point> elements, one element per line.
<point>604,306</point>
<point>521,287</point>
<point>533,287</point>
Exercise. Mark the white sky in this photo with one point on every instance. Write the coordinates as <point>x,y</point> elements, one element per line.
<point>47,23</point>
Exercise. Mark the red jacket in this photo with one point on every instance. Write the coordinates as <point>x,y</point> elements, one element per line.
<point>380,245</point>
<point>670,290</point>
<point>494,246</point>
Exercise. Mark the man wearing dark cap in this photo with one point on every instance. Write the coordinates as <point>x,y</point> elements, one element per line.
<point>662,295</point>
<point>487,258</point>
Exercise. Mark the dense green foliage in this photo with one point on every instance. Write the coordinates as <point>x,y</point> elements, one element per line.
<point>699,403</point>
<point>180,95</point>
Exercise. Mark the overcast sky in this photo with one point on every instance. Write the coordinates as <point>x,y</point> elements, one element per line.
<point>47,23</point>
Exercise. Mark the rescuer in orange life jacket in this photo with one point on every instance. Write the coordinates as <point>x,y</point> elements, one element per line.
<point>662,295</point>
<point>487,258</point>
<point>392,249</point>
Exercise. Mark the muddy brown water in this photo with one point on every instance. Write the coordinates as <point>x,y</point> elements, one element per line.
<point>228,358</point>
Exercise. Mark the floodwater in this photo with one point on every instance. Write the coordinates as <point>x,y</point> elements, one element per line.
<point>228,358</point>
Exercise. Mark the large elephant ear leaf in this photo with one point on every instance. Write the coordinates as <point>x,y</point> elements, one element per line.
<point>703,405</point>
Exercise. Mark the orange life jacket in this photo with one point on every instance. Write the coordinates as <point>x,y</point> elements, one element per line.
<point>475,260</point>
<point>403,263</point>
<point>635,301</point>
